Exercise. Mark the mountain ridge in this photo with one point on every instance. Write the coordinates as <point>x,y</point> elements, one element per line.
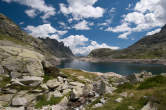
<point>149,47</point>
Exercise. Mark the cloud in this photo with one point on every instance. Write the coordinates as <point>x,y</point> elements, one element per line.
<point>45,30</point>
<point>31,13</point>
<point>81,45</point>
<point>154,31</point>
<point>35,7</point>
<point>124,35</point>
<point>83,25</point>
<point>82,9</point>
<point>147,14</point>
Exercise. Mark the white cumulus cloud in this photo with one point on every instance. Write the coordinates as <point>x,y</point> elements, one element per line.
<point>36,6</point>
<point>147,14</point>
<point>83,25</point>
<point>154,31</point>
<point>82,9</point>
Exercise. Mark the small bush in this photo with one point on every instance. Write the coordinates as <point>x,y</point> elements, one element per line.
<point>152,82</point>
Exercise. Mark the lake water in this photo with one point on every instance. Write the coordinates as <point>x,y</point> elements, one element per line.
<point>117,67</point>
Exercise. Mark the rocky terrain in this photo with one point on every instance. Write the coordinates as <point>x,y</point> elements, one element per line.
<point>149,47</point>
<point>58,48</point>
<point>29,80</point>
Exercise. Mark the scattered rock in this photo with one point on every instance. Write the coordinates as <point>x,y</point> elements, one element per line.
<point>6,97</point>
<point>19,101</point>
<point>124,94</point>
<point>52,84</point>
<point>131,108</point>
<point>150,106</point>
<point>98,105</point>
<point>14,108</point>
<point>119,100</point>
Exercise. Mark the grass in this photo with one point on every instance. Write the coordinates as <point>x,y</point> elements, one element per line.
<point>12,39</point>
<point>5,81</point>
<point>124,87</point>
<point>42,101</point>
<point>153,88</point>
<point>153,82</point>
<point>74,74</point>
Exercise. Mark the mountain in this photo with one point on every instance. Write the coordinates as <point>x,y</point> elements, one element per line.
<point>58,48</point>
<point>149,47</point>
<point>11,34</point>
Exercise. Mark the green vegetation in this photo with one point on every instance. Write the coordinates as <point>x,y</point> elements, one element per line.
<point>74,74</point>
<point>5,80</point>
<point>153,88</point>
<point>153,82</point>
<point>42,101</point>
<point>124,87</point>
<point>12,39</point>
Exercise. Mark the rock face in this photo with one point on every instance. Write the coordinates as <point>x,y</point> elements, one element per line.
<point>19,61</point>
<point>58,48</point>
<point>149,47</point>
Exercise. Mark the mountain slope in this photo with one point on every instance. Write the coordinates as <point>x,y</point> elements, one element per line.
<point>11,34</point>
<point>149,47</point>
<point>58,48</point>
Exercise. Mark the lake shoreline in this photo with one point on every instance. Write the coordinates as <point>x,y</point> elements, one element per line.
<point>140,61</point>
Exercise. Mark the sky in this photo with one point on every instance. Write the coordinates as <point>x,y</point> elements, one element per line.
<point>84,25</point>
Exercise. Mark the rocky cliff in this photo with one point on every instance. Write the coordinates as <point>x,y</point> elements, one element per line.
<point>58,48</point>
<point>149,47</point>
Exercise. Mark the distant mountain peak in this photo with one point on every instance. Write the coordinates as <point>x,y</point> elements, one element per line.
<point>163,29</point>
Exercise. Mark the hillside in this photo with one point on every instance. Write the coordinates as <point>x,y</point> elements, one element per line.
<point>58,48</point>
<point>11,34</point>
<point>149,47</point>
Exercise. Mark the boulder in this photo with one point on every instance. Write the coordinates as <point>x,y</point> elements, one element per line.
<point>6,97</point>
<point>19,101</point>
<point>76,93</point>
<point>24,61</point>
<point>124,94</point>
<point>150,106</point>
<point>52,84</point>
<point>119,100</point>
<point>15,74</point>
<point>14,108</point>
<point>98,105</point>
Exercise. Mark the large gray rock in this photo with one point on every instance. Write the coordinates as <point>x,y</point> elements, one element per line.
<point>99,87</point>
<point>52,84</point>
<point>1,70</point>
<point>6,97</point>
<point>19,101</point>
<point>23,61</point>
<point>31,81</point>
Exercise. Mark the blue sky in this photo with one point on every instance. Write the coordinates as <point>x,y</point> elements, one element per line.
<point>84,25</point>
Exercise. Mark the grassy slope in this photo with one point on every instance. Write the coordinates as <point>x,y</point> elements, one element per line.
<point>154,89</point>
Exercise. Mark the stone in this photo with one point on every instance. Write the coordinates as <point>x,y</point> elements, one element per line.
<point>131,95</point>
<point>76,93</point>
<point>88,90</point>
<point>119,100</point>
<point>102,100</point>
<point>14,108</point>
<point>3,103</point>
<point>6,97</point>
<point>57,94</point>
<point>15,74</point>
<point>124,94</point>
<point>98,105</point>
<point>76,84</point>
<point>150,106</point>
<point>60,79</point>
<point>17,59</point>
<point>44,86</point>
<point>64,101</point>
<point>99,87</point>
<point>8,91</point>
<point>19,101</point>
<point>131,108</point>
<point>52,84</point>
<point>1,70</point>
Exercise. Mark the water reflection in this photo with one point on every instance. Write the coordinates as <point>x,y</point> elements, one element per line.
<point>117,67</point>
